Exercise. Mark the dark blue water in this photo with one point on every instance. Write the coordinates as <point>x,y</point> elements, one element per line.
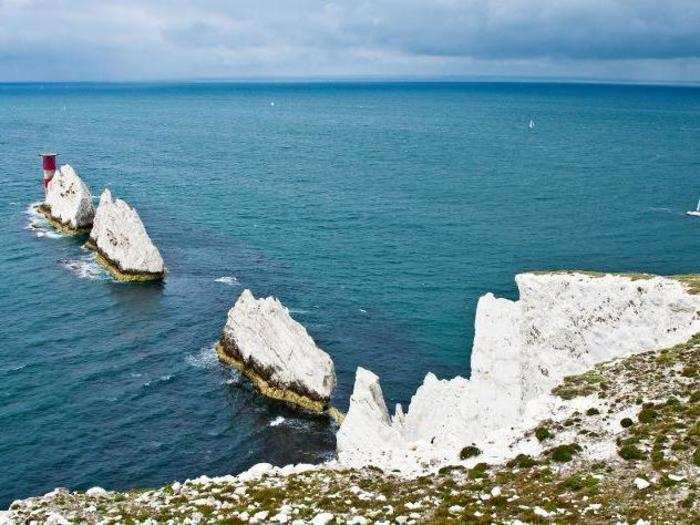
<point>378,213</point>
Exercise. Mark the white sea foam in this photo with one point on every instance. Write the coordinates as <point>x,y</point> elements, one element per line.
<point>662,209</point>
<point>228,280</point>
<point>277,421</point>
<point>15,368</point>
<point>235,379</point>
<point>205,358</point>
<point>161,379</point>
<point>38,224</point>
<point>85,267</point>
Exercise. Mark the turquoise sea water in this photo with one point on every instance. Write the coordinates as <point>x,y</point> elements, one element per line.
<point>378,213</point>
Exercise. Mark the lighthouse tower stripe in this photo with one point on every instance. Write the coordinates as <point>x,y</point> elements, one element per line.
<point>49,162</point>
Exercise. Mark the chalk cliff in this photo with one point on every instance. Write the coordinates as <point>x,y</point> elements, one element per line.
<point>122,243</point>
<point>616,443</point>
<point>68,203</point>
<point>562,324</point>
<point>273,350</point>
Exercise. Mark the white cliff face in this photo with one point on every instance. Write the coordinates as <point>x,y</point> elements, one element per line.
<point>562,324</point>
<point>371,427</point>
<point>120,235</point>
<point>267,339</point>
<point>69,199</point>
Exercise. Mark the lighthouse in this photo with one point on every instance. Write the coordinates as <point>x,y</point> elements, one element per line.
<point>48,162</point>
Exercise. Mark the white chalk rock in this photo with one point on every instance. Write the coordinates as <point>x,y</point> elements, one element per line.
<point>96,492</point>
<point>262,334</point>
<point>54,518</point>
<point>121,237</point>
<point>69,200</point>
<point>322,519</point>
<point>563,324</point>
<point>641,483</point>
<point>367,425</point>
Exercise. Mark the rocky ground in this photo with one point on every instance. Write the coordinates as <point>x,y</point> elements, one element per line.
<point>631,456</point>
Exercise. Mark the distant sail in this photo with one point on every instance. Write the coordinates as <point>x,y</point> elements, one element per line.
<point>532,124</point>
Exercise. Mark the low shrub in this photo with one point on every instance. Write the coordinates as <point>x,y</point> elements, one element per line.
<point>542,433</point>
<point>630,453</point>
<point>522,461</point>
<point>469,452</point>
<point>564,453</point>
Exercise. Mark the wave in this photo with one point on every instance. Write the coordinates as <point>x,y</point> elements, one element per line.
<point>662,209</point>
<point>277,421</point>
<point>38,224</point>
<point>15,368</point>
<point>228,280</point>
<point>235,378</point>
<point>206,358</point>
<point>161,379</point>
<point>85,268</point>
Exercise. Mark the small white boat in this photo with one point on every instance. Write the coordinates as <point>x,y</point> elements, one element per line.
<point>531,125</point>
<point>695,213</point>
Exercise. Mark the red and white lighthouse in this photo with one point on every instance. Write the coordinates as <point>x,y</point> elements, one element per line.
<point>48,162</point>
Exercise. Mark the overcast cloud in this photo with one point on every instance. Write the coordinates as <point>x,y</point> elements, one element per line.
<point>161,39</point>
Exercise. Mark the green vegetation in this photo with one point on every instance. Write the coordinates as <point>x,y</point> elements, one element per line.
<point>542,433</point>
<point>581,385</point>
<point>581,482</point>
<point>479,470</point>
<point>630,452</point>
<point>469,452</point>
<point>522,461</point>
<point>564,453</point>
<point>648,414</point>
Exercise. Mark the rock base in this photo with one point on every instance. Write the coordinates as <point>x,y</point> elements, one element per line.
<point>61,227</point>
<point>229,356</point>
<point>118,273</point>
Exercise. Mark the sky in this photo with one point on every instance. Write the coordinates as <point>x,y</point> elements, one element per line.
<point>61,40</point>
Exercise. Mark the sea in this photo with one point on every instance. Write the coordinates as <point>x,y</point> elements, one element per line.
<point>378,213</point>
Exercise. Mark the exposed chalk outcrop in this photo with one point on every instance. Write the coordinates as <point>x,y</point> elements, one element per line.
<point>563,324</point>
<point>276,352</point>
<point>68,203</point>
<point>122,244</point>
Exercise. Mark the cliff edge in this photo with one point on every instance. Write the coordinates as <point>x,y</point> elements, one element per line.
<point>562,324</point>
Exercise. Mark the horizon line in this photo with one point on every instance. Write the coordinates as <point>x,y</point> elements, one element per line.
<point>368,79</point>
